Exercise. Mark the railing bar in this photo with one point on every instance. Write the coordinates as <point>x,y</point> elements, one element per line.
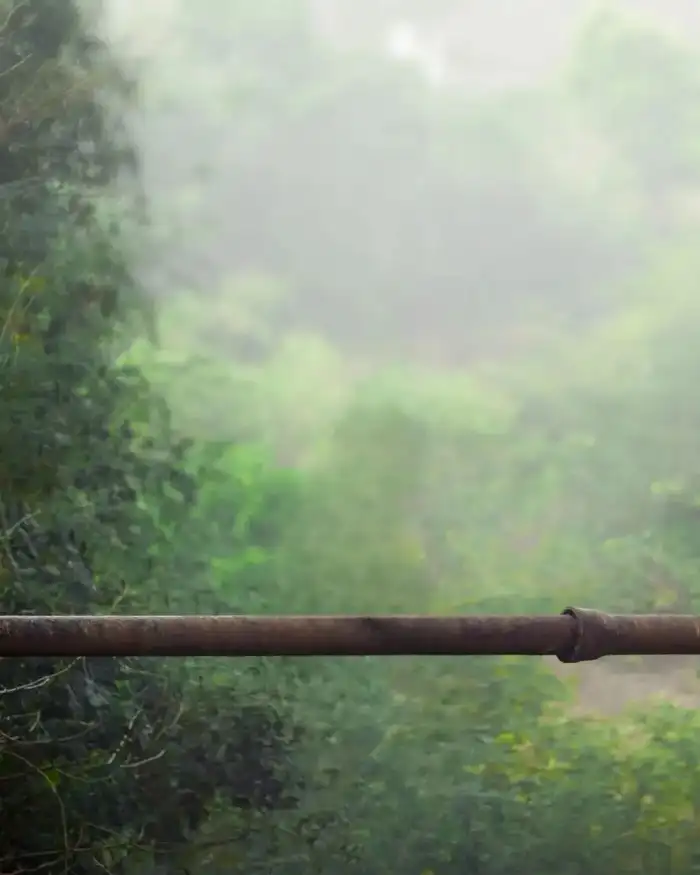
<point>575,635</point>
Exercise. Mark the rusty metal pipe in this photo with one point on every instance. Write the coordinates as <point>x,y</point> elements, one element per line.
<point>576,635</point>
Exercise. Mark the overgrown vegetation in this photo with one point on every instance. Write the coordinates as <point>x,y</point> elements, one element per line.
<point>493,443</point>
<point>97,757</point>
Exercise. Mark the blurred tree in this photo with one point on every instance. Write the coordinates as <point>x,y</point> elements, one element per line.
<point>402,220</point>
<point>641,88</point>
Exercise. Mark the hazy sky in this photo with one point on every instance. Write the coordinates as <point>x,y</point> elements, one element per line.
<point>489,41</point>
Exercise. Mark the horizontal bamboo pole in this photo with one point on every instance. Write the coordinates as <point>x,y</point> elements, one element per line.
<point>576,635</point>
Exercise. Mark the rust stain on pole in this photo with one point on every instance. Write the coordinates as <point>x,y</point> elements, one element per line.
<point>576,635</point>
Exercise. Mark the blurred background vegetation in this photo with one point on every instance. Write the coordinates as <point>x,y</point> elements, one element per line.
<point>348,307</point>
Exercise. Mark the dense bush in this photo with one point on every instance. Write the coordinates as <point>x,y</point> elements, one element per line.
<point>96,756</point>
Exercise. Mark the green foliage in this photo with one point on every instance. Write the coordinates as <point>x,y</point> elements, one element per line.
<point>569,478</point>
<point>263,456</point>
<point>97,757</point>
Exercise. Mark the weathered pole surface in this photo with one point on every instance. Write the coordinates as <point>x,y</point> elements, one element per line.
<point>576,635</point>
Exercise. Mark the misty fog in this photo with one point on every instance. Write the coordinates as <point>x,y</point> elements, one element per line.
<point>406,321</point>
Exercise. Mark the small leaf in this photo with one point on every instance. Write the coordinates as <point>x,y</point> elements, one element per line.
<point>53,776</point>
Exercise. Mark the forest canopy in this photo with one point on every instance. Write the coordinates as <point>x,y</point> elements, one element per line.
<point>402,347</point>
